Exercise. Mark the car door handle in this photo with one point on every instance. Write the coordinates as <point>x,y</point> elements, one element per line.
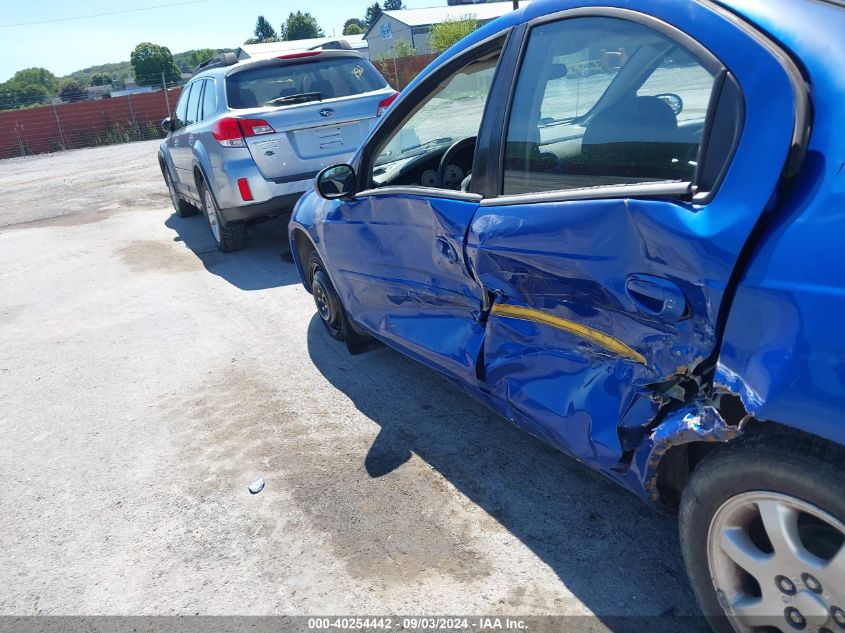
<point>656,296</point>
<point>447,250</point>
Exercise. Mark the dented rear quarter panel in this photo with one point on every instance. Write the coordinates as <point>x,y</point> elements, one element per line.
<point>783,350</point>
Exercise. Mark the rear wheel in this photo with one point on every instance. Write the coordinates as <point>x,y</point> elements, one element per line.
<point>182,208</point>
<point>229,236</point>
<point>762,527</point>
<point>326,299</point>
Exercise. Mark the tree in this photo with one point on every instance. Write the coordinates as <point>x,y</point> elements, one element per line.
<point>149,61</point>
<point>393,5</point>
<point>14,95</point>
<point>36,77</point>
<point>100,79</point>
<point>201,55</point>
<point>264,30</point>
<point>373,11</point>
<point>404,49</point>
<point>354,26</point>
<point>72,90</point>
<point>445,34</point>
<point>301,26</point>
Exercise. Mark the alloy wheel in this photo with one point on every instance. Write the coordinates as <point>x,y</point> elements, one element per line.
<point>778,564</point>
<point>212,215</point>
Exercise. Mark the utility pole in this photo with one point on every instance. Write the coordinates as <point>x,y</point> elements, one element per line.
<point>166,98</point>
<point>63,140</point>
<point>515,4</point>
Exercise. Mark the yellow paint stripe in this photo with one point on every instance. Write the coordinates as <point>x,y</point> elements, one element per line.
<point>594,336</point>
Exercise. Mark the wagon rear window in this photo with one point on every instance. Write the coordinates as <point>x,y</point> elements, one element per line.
<point>331,78</point>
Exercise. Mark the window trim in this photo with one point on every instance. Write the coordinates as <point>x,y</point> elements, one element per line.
<point>419,191</point>
<point>659,189</point>
<point>710,62</point>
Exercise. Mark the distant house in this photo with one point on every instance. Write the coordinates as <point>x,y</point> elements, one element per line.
<point>414,25</point>
<point>92,93</point>
<point>131,88</point>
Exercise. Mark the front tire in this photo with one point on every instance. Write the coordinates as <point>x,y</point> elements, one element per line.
<point>229,236</point>
<point>326,299</point>
<point>762,527</point>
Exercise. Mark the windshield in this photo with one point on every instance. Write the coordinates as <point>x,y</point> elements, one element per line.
<point>287,84</point>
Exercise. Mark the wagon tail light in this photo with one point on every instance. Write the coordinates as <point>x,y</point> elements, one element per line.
<point>384,104</point>
<point>232,132</point>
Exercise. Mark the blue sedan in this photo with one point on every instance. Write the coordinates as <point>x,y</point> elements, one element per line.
<point>619,225</point>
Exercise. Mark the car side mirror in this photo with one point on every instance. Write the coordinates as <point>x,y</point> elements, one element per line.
<point>336,182</point>
<point>673,101</point>
<point>167,125</point>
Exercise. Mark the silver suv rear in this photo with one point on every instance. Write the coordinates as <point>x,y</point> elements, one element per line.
<point>248,137</point>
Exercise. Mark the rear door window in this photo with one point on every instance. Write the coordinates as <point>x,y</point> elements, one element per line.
<point>311,81</point>
<point>680,74</point>
<point>601,102</point>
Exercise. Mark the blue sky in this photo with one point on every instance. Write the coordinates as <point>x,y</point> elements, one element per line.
<point>63,47</point>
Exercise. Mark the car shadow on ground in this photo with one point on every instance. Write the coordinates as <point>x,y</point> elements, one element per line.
<point>609,549</point>
<point>266,261</point>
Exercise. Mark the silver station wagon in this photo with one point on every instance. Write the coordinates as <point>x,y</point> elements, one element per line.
<point>248,137</point>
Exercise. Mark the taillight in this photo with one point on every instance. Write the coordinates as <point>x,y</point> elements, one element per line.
<point>256,127</point>
<point>385,103</point>
<point>230,132</point>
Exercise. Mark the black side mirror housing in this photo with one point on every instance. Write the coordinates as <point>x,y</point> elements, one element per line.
<point>167,125</point>
<point>336,182</point>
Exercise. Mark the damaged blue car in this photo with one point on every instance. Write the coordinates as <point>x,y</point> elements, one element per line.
<point>619,224</point>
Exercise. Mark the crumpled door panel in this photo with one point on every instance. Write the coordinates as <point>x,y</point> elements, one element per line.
<point>567,347</point>
<point>562,389</point>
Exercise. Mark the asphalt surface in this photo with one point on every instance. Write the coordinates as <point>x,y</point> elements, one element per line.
<point>147,380</point>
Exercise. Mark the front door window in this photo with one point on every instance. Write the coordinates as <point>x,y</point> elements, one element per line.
<point>451,113</point>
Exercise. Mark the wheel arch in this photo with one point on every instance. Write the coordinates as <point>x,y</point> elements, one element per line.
<point>677,464</point>
<point>301,247</point>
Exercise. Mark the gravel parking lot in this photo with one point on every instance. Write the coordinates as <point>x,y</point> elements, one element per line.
<point>147,380</point>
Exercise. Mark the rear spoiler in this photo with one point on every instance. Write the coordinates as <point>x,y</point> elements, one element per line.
<point>334,45</point>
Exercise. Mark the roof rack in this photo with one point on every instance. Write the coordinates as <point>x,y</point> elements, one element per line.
<point>219,61</point>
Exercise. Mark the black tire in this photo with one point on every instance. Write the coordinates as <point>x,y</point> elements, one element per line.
<point>183,209</point>
<point>326,299</point>
<point>229,236</point>
<point>777,461</point>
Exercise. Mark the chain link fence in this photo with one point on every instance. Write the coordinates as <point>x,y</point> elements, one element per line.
<point>401,71</point>
<point>51,128</point>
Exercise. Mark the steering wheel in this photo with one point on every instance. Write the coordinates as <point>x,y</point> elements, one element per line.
<point>454,150</point>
